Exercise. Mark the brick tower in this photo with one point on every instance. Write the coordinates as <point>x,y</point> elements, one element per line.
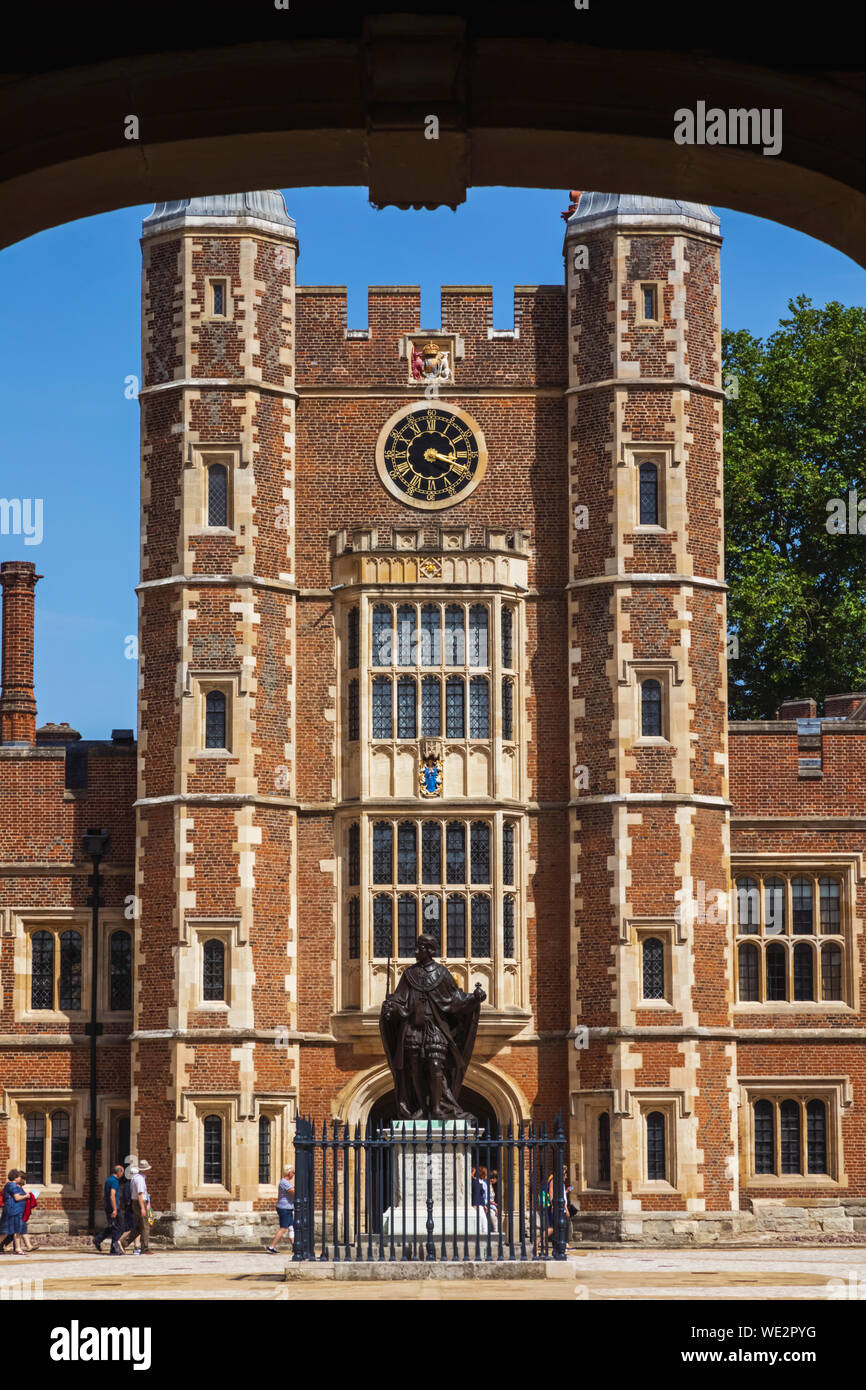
<point>212,1067</point>
<point>653,1127</point>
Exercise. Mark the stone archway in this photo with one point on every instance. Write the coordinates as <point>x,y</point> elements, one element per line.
<point>367,1089</point>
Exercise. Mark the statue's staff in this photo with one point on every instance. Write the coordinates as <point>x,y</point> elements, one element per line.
<point>388,981</point>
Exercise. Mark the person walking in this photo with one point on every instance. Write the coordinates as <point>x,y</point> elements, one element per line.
<point>140,1203</point>
<point>12,1220</point>
<point>285,1209</point>
<point>111,1200</point>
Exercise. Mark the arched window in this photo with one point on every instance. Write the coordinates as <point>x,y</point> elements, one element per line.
<point>406,698</point>
<point>479,707</point>
<point>431,707</point>
<point>831,917</point>
<point>479,852</point>
<point>455,708</point>
<point>431,852</point>
<point>507,628</point>
<point>406,634</point>
<point>431,917</point>
<point>801,906</point>
<point>60,1147</point>
<point>765,1139</point>
<point>831,972</point>
<point>383,926</point>
<point>217,495</point>
<point>508,853</point>
<point>213,1149</point>
<point>407,852</point>
<point>455,852</point>
<point>354,929</point>
<point>507,709</point>
<point>650,709</point>
<point>455,926</point>
<point>69,983</point>
<point>653,952</point>
<point>478,635</point>
<point>353,638</point>
<point>41,972</point>
<point>214,970</point>
<point>480,925</point>
<point>383,841</point>
<point>816,1136</point>
<point>774,906</point>
<point>649,494</point>
<point>804,974</point>
<point>383,722</point>
<point>34,1152</point>
<point>266,1125</point>
<point>353,730</point>
<point>508,927</point>
<point>407,925</point>
<point>776,972</point>
<point>354,855</point>
<point>120,964</point>
<point>748,906</point>
<point>431,635</point>
<point>749,974</point>
<point>455,636</point>
<point>789,1119</point>
<point>382,635</point>
<point>603,1155</point>
<point>215,719</point>
<point>656,1157</point>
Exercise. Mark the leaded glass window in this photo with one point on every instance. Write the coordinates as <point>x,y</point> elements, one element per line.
<point>749,974</point>
<point>789,1118</point>
<point>354,855</point>
<point>655,1147</point>
<point>266,1125</point>
<point>407,925</point>
<point>120,964</point>
<point>479,707</point>
<point>431,852</point>
<point>748,906</point>
<point>383,929</point>
<point>816,1137</point>
<point>478,635</point>
<point>217,495</point>
<point>831,916</point>
<point>355,929</point>
<point>801,906</point>
<point>69,984</point>
<point>41,972</point>
<point>213,1149</point>
<point>215,719</point>
<point>455,713</point>
<point>383,837</point>
<point>406,726</point>
<point>480,925</point>
<point>775,961</point>
<point>603,1149</point>
<point>407,853</point>
<point>455,926</point>
<point>508,927</point>
<point>382,635</point>
<point>353,638</point>
<point>60,1147</point>
<point>455,852</point>
<point>650,709</point>
<point>406,635</point>
<point>431,635</point>
<point>507,624</point>
<point>34,1151</point>
<point>508,853</point>
<point>214,970</point>
<point>431,917</point>
<point>831,973</point>
<point>653,952</point>
<point>431,707</point>
<point>507,709</point>
<point>354,719</point>
<point>383,726</point>
<point>649,494</point>
<point>479,852</point>
<point>455,636</point>
<point>774,906</point>
<point>765,1139</point>
<point>804,984</point>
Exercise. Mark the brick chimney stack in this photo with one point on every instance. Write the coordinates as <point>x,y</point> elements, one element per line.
<point>17,700</point>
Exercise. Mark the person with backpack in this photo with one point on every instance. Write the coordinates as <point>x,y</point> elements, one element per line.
<point>113,1220</point>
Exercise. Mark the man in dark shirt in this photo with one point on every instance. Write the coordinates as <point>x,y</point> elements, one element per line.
<point>113,1223</point>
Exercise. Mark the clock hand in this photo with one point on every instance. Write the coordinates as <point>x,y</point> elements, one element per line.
<point>431,454</point>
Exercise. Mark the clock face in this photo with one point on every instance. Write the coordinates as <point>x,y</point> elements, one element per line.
<point>431,456</point>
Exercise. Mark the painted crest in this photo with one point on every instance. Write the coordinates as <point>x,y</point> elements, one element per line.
<point>430,362</point>
<point>430,769</point>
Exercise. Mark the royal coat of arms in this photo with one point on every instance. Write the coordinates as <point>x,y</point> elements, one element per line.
<point>430,362</point>
<point>430,770</point>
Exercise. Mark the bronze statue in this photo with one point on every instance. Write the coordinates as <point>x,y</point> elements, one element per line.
<point>428,1028</point>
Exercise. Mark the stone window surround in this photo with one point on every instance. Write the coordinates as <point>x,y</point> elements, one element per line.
<point>586,1106</point>
<point>27,920</point>
<point>662,455</point>
<point>667,1104</point>
<point>836,1093</point>
<point>195,487</point>
<point>233,684</point>
<point>664,932</point>
<point>641,319</point>
<point>667,672</point>
<point>195,1106</point>
<point>280,1110</point>
<point>201,1105</point>
<point>17,1103</point>
<point>208,315</point>
<point>231,1011</point>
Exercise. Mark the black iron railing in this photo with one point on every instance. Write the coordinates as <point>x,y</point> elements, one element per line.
<point>428,1191</point>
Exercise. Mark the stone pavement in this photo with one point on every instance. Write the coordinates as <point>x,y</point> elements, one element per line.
<point>600,1274</point>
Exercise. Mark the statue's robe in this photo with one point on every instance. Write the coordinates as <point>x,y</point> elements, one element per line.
<point>429,994</point>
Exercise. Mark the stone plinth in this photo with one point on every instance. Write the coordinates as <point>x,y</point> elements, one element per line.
<point>443,1170</point>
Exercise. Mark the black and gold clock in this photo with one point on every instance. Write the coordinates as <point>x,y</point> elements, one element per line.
<point>431,455</point>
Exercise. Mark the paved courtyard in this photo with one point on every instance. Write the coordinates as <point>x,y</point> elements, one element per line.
<point>595,1275</point>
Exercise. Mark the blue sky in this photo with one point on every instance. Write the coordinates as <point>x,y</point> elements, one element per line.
<point>70,337</point>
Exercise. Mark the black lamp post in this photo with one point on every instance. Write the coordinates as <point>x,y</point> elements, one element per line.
<point>95,846</point>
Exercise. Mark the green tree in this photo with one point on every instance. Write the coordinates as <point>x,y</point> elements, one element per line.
<point>795,438</point>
